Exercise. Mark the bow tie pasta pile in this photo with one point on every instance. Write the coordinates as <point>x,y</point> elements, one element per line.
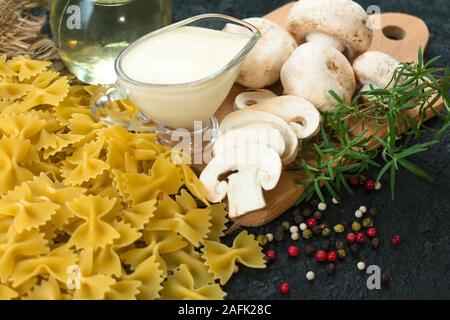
<point>89,211</point>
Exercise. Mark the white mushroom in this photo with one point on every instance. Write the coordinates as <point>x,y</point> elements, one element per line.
<point>242,118</point>
<point>374,68</point>
<point>339,23</point>
<point>300,114</point>
<point>251,97</point>
<point>313,71</point>
<point>259,133</point>
<point>258,166</point>
<point>262,66</point>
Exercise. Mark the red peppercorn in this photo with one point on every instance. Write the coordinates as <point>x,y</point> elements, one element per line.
<point>370,185</point>
<point>360,237</point>
<point>332,256</point>
<point>354,181</point>
<point>293,251</point>
<point>396,240</point>
<point>311,223</point>
<point>271,255</point>
<point>321,255</point>
<point>284,288</point>
<point>351,237</point>
<point>372,232</point>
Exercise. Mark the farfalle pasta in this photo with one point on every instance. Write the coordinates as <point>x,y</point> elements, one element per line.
<point>90,211</point>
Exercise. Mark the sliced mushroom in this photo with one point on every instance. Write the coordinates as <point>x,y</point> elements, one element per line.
<point>244,193</point>
<point>300,114</point>
<point>262,66</point>
<point>313,71</point>
<point>252,97</point>
<point>245,158</point>
<point>376,69</point>
<point>259,133</point>
<point>339,23</point>
<point>242,118</point>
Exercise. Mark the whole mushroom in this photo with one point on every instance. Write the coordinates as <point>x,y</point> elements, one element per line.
<point>374,68</point>
<point>342,24</point>
<point>262,66</point>
<point>313,70</point>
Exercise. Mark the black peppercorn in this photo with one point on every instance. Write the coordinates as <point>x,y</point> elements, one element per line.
<point>309,250</point>
<point>374,211</point>
<point>298,218</point>
<point>385,278</point>
<point>314,202</point>
<point>326,245</point>
<point>331,268</point>
<point>355,250</point>
<point>376,242</point>
<point>340,244</point>
<point>317,215</point>
<point>317,230</point>
<point>307,213</point>
<point>345,224</point>
<point>279,234</point>
<point>362,180</point>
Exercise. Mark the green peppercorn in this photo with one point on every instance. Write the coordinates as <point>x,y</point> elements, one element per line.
<point>367,223</point>
<point>307,213</point>
<point>355,250</point>
<point>286,225</point>
<point>356,226</point>
<point>279,234</point>
<point>374,211</point>
<point>317,230</point>
<point>341,254</point>
<point>340,244</point>
<point>376,242</point>
<point>309,250</point>
<point>323,226</point>
<point>326,232</point>
<point>262,240</point>
<point>317,215</point>
<point>331,268</point>
<point>307,234</point>
<point>339,228</point>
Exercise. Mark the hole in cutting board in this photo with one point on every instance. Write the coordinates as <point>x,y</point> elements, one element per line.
<point>394,33</point>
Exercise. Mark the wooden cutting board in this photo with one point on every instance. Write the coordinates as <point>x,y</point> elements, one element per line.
<point>399,35</point>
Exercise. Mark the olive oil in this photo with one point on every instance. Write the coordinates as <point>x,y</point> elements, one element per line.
<point>90,34</point>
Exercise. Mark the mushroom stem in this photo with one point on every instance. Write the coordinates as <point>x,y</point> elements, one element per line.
<point>322,38</point>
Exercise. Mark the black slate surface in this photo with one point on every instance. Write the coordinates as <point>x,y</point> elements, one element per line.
<point>421,214</point>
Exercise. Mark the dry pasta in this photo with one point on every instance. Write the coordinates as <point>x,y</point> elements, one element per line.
<point>89,211</point>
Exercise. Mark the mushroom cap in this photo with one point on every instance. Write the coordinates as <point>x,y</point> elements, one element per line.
<point>245,157</point>
<point>375,68</point>
<point>313,70</point>
<point>341,19</point>
<point>301,114</point>
<point>242,118</point>
<point>261,68</point>
<point>259,133</point>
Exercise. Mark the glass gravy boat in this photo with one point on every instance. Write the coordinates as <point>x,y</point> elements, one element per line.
<point>178,110</point>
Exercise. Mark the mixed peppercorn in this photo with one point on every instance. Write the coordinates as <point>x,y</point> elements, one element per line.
<point>337,241</point>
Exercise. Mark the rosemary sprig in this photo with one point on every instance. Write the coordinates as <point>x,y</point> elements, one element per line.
<point>377,126</point>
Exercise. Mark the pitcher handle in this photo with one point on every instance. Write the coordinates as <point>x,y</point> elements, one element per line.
<point>137,122</point>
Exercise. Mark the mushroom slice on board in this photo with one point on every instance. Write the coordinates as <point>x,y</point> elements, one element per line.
<point>251,97</point>
<point>259,167</point>
<point>242,118</point>
<point>374,68</point>
<point>259,133</point>
<point>262,66</point>
<point>313,71</point>
<point>339,23</point>
<point>300,114</point>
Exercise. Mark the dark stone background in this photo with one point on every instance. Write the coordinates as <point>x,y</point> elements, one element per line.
<point>421,214</point>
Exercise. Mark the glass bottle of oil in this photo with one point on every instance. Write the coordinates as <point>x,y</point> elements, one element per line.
<point>90,34</point>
